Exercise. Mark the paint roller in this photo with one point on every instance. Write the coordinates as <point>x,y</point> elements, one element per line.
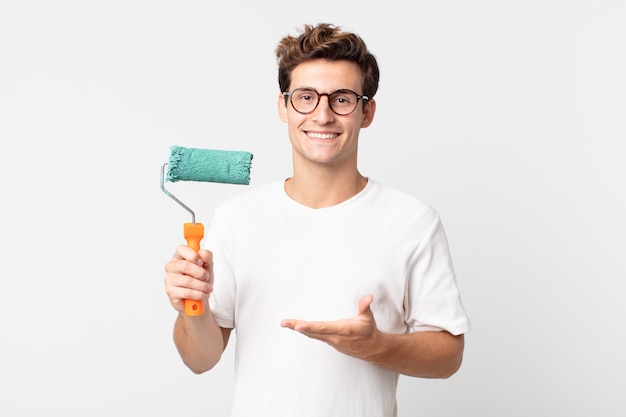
<point>208,165</point>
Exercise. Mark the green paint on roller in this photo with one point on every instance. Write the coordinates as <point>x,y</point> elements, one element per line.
<point>194,164</point>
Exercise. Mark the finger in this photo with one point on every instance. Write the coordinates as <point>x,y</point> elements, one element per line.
<point>202,257</point>
<point>175,281</point>
<point>320,327</point>
<point>185,267</point>
<point>207,258</point>
<point>364,304</point>
<point>297,325</point>
<point>180,287</point>
<point>288,323</point>
<point>185,252</point>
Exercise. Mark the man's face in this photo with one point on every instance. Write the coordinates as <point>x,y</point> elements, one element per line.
<point>322,136</point>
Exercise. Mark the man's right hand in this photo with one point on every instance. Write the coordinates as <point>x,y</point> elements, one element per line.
<point>189,275</point>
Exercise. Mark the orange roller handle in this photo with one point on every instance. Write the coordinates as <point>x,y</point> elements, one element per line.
<point>194,232</point>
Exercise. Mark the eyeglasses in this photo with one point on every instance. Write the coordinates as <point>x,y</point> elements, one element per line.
<point>305,100</point>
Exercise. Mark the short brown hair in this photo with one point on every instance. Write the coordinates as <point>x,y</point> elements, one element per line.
<point>326,41</point>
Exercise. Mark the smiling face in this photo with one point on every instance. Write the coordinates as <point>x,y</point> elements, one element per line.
<point>322,137</point>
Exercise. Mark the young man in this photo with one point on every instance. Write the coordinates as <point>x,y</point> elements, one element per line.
<point>334,283</point>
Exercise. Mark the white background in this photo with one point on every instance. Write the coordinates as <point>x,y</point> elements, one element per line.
<point>507,116</point>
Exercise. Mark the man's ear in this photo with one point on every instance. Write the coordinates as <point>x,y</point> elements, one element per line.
<point>282,107</point>
<point>368,113</point>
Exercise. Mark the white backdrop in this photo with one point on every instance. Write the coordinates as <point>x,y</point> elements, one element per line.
<point>507,116</point>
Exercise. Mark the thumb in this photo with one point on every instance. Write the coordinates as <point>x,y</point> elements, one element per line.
<point>364,304</point>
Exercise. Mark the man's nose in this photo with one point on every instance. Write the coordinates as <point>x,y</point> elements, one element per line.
<point>324,113</point>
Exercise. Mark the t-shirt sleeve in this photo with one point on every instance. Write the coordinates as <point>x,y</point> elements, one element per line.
<point>433,299</point>
<point>222,299</point>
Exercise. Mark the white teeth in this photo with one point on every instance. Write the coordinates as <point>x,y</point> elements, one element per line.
<point>322,135</point>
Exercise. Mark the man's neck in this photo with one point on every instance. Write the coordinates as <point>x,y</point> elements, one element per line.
<point>325,188</point>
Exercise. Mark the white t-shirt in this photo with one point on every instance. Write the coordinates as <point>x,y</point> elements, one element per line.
<point>276,259</point>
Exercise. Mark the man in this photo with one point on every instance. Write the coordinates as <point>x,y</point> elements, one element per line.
<point>334,283</point>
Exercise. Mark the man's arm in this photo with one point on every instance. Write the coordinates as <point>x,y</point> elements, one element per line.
<point>423,354</point>
<point>199,339</point>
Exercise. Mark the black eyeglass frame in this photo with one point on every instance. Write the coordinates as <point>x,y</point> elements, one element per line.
<point>289,94</point>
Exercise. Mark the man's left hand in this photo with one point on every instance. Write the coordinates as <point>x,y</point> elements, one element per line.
<point>356,336</point>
